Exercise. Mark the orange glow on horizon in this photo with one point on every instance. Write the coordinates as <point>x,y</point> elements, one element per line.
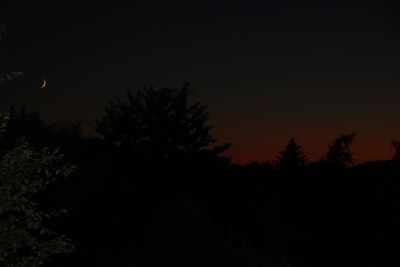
<point>365,148</point>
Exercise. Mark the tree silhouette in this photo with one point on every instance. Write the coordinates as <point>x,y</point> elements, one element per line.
<point>339,153</point>
<point>292,156</point>
<point>25,123</point>
<point>158,123</point>
<point>396,145</point>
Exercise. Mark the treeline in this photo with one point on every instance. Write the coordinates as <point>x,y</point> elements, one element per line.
<point>157,190</point>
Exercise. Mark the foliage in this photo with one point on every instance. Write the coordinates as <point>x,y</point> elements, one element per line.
<point>24,173</point>
<point>23,123</point>
<point>27,124</point>
<point>339,153</point>
<point>157,123</point>
<point>396,146</point>
<point>292,156</point>
<point>9,76</point>
<point>4,118</point>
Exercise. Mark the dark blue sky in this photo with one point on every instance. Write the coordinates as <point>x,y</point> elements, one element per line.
<point>268,70</point>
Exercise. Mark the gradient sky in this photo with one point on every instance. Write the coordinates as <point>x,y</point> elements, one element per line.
<point>268,70</point>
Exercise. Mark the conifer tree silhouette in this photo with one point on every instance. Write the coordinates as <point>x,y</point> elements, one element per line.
<point>292,156</point>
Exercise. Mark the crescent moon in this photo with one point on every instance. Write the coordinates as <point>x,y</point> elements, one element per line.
<point>44,84</point>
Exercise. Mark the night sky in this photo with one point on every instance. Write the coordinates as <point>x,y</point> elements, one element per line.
<point>268,70</point>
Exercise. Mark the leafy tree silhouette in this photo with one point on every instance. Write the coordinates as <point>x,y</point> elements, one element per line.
<point>158,123</point>
<point>339,154</point>
<point>396,145</point>
<point>25,123</point>
<point>292,156</point>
